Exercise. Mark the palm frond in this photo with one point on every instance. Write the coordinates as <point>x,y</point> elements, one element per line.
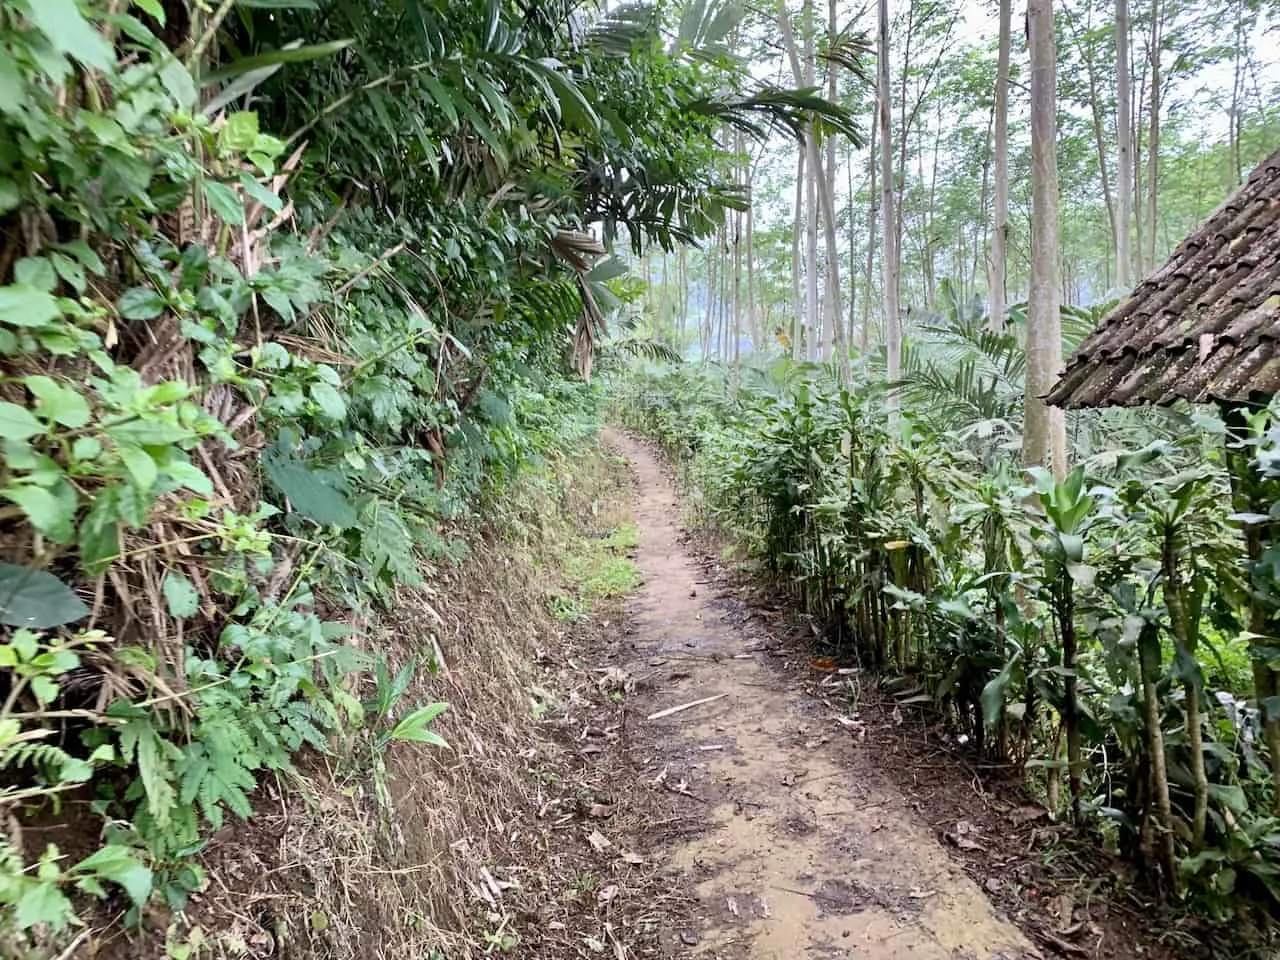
<point>644,348</point>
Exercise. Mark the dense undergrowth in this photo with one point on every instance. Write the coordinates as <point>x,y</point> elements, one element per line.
<point>1107,634</point>
<point>291,293</point>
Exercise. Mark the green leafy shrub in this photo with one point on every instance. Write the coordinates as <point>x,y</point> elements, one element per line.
<point>1091,630</point>
<point>261,368</point>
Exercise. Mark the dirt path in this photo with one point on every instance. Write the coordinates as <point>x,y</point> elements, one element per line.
<point>807,851</point>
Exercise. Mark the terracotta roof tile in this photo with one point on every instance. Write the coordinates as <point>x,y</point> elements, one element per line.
<point>1205,326</point>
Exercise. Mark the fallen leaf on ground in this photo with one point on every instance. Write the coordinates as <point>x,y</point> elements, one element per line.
<point>599,842</point>
<point>963,836</point>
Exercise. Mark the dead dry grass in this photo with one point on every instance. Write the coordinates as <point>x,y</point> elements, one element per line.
<point>522,839</point>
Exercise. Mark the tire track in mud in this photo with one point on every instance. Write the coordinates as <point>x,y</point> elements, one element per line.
<point>807,851</point>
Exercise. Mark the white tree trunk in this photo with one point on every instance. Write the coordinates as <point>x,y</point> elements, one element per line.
<point>813,322</point>
<point>740,178</point>
<point>888,222</point>
<point>1153,139</point>
<point>753,324</point>
<point>797,323</point>
<point>873,209</point>
<point>1044,441</point>
<point>1000,215</point>
<point>813,319</point>
<point>834,339</point>
<point>1124,143</point>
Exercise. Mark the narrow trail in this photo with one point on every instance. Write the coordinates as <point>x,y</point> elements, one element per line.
<point>807,850</point>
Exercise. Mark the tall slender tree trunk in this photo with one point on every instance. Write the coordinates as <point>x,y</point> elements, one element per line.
<point>1000,215</point>
<point>853,248</point>
<point>812,318</point>
<point>905,122</point>
<point>682,283</point>
<point>815,292</point>
<point>835,336</point>
<point>726,292</point>
<point>1241,52</point>
<point>709,323</point>
<point>836,343</point>
<point>1095,110</point>
<point>740,177</point>
<point>1124,143</point>
<point>982,228</point>
<point>888,222</point>
<point>1153,139</point>
<point>930,239</point>
<point>873,210</point>
<point>813,323</point>
<point>753,322</point>
<point>1139,139</point>
<point>1044,432</point>
<point>1150,668</point>
<point>1186,630</point>
<point>797,324</point>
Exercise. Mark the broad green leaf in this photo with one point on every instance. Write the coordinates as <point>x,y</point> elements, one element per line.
<point>239,132</point>
<point>329,401</point>
<point>1072,547</point>
<point>149,433</point>
<point>86,256</point>
<point>10,195</point>
<point>58,403</point>
<point>18,423</point>
<point>610,268</point>
<point>177,81</point>
<point>312,493</point>
<point>996,691</point>
<point>35,272</point>
<point>1231,796</point>
<point>26,306</point>
<point>70,271</point>
<point>1082,574</point>
<point>36,599</point>
<point>180,594</point>
<point>119,865</point>
<point>187,475</point>
<point>414,727</point>
<point>152,8</point>
<point>74,770</point>
<point>45,688</point>
<point>70,33</point>
<point>443,98</point>
<point>140,465</point>
<point>141,303</point>
<point>573,104</point>
<point>253,188</point>
<point>50,514</point>
<point>225,203</point>
<point>42,902</point>
<point>99,533</point>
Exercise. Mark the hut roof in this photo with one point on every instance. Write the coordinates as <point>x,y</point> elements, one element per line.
<point>1205,326</point>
